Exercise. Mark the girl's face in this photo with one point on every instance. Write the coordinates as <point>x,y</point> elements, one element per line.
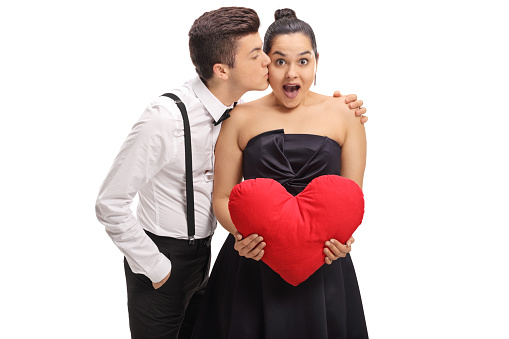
<point>292,68</point>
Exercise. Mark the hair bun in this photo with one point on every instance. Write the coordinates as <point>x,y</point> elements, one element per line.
<point>284,13</point>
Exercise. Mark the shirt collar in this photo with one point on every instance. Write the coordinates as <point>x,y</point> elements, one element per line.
<point>211,103</point>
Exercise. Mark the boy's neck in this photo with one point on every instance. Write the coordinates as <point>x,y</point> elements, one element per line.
<point>223,91</point>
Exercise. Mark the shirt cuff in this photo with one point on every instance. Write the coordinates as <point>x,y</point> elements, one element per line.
<point>160,269</point>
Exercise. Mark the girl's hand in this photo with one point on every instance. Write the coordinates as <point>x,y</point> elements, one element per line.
<point>336,250</point>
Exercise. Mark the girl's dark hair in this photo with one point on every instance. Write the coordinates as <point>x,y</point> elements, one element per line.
<point>214,36</point>
<point>287,23</point>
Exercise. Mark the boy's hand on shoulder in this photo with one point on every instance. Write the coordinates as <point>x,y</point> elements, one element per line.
<point>353,103</point>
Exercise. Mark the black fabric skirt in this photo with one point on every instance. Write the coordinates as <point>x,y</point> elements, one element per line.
<point>245,299</point>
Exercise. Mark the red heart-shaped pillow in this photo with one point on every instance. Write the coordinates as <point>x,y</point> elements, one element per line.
<point>295,228</point>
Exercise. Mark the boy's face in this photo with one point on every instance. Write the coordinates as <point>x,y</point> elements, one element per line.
<point>251,65</point>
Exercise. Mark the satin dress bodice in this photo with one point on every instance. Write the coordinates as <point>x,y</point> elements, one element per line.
<point>293,160</point>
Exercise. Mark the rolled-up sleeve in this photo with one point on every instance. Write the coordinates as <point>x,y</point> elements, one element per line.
<point>148,148</point>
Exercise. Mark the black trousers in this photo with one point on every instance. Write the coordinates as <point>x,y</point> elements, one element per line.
<point>170,311</point>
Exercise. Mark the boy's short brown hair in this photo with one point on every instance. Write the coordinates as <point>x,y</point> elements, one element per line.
<point>214,35</point>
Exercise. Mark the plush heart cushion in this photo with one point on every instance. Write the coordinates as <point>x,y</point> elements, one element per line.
<point>295,228</point>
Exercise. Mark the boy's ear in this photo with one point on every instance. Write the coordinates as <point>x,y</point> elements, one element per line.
<point>221,71</point>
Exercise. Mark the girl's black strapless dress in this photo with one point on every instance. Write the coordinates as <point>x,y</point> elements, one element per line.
<point>245,299</point>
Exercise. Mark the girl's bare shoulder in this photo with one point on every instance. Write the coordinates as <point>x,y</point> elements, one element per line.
<point>248,110</point>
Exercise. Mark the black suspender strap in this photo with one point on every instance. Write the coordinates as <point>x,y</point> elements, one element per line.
<point>189,168</point>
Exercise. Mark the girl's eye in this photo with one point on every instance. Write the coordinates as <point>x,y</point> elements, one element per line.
<point>303,61</point>
<point>256,57</point>
<point>280,62</point>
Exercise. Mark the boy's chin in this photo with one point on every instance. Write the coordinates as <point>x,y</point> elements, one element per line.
<point>263,87</point>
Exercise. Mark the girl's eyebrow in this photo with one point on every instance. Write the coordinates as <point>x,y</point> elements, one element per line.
<point>282,54</point>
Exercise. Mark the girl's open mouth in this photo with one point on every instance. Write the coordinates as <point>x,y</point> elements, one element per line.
<point>291,90</point>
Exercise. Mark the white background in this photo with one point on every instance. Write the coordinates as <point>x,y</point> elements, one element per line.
<point>431,254</point>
